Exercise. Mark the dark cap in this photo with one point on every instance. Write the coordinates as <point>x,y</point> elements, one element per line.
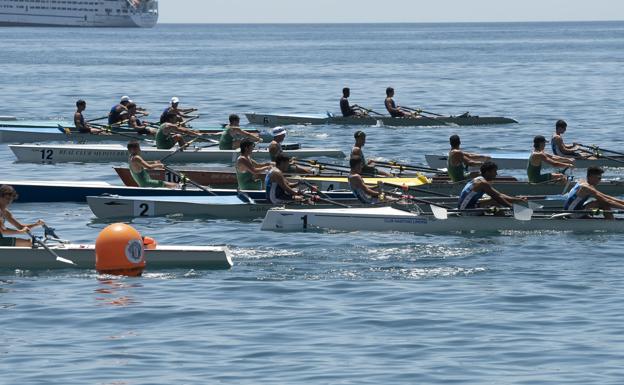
<point>359,134</point>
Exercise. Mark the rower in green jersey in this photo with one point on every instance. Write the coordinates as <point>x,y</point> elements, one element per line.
<point>233,131</point>
<point>171,133</point>
<point>249,173</point>
<point>7,196</point>
<point>138,168</point>
<point>368,167</point>
<point>539,156</point>
<point>459,160</point>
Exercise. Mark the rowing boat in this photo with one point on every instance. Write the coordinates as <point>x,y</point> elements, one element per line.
<point>462,120</point>
<point>519,161</point>
<point>7,118</point>
<point>102,153</point>
<point>385,219</point>
<point>162,257</point>
<point>77,191</point>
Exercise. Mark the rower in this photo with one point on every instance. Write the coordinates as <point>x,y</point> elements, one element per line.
<point>361,191</point>
<point>136,124</point>
<point>7,196</point>
<point>79,121</point>
<point>278,189</point>
<point>579,196</point>
<point>138,168</point>
<point>347,109</point>
<point>248,171</point>
<point>538,156</point>
<point>459,160</point>
<point>174,105</point>
<point>394,110</point>
<point>368,168</point>
<point>275,150</point>
<point>227,141</point>
<point>559,148</point>
<point>477,187</point>
<point>171,133</point>
<point>119,112</point>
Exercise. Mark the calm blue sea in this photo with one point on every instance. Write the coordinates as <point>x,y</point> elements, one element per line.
<point>324,308</point>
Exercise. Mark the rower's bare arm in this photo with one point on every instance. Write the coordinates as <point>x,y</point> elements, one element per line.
<point>471,159</point>
<point>497,196</point>
<point>557,163</point>
<point>11,219</point>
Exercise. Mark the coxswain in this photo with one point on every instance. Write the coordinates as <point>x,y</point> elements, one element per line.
<point>136,124</point>
<point>539,156</point>
<point>347,109</point>
<point>477,187</point>
<point>459,160</point>
<point>249,172</point>
<point>368,167</point>
<point>232,131</point>
<point>559,148</point>
<point>171,133</point>
<point>79,121</point>
<point>394,110</point>
<point>119,112</point>
<point>361,191</point>
<point>138,168</point>
<point>278,189</point>
<point>585,196</point>
<point>7,196</point>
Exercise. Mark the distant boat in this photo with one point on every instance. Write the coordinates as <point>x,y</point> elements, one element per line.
<point>79,13</point>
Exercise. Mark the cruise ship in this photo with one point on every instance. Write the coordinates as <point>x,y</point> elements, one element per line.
<point>79,13</point>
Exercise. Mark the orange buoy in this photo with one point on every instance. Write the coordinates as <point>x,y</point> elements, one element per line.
<point>119,251</point>
<point>149,243</point>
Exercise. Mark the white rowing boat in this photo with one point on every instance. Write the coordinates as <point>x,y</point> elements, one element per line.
<point>372,120</point>
<point>385,219</point>
<point>162,257</point>
<point>518,161</point>
<point>102,153</point>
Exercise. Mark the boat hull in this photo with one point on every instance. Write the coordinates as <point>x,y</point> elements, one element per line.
<point>117,153</point>
<point>519,161</point>
<point>283,120</point>
<point>388,219</point>
<point>163,257</point>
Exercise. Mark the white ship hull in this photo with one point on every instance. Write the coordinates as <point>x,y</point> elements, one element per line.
<point>99,13</point>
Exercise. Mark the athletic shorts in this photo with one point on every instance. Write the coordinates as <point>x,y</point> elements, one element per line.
<point>6,241</point>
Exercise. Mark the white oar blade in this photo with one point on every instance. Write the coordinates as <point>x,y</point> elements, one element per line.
<point>522,213</point>
<point>67,261</point>
<point>535,206</point>
<point>439,212</point>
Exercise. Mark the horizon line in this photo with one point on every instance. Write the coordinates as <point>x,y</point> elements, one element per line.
<point>393,22</point>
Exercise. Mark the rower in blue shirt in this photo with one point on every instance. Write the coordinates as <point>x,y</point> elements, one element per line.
<point>479,186</point>
<point>361,191</point>
<point>278,189</point>
<point>584,196</point>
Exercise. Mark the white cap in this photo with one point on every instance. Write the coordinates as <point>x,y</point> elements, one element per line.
<point>277,131</point>
<point>175,100</point>
<point>125,98</point>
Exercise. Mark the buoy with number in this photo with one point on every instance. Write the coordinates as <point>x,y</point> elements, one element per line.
<point>119,250</point>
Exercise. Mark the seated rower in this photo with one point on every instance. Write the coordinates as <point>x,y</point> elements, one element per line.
<point>559,148</point>
<point>136,124</point>
<point>138,168</point>
<point>583,191</point>
<point>171,133</point>
<point>275,150</point>
<point>534,167</point>
<point>232,130</point>
<point>361,191</point>
<point>248,171</point>
<point>479,186</point>
<point>278,189</point>
<point>394,110</point>
<point>79,121</point>
<point>7,196</point>
<point>174,105</point>
<point>368,168</point>
<point>459,160</point>
<point>347,109</point>
<point>119,112</point>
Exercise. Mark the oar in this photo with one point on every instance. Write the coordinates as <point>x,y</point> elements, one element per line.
<point>96,119</point>
<point>180,148</point>
<point>441,213</point>
<point>369,110</point>
<point>401,167</point>
<point>416,189</point>
<point>184,179</point>
<point>313,188</point>
<point>419,200</point>
<point>602,149</point>
<point>37,241</point>
<point>325,200</point>
<point>596,151</point>
<point>438,122</point>
<point>420,111</point>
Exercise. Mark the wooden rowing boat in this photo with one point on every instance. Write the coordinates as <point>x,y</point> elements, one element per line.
<point>162,257</point>
<point>102,153</point>
<point>462,120</point>
<point>518,161</point>
<point>385,219</point>
<point>77,191</point>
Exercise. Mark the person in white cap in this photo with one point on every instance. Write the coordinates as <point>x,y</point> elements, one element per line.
<point>275,150</point>
<point>230,137</point>
<point>174,107</point>
<point>119,112</point>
